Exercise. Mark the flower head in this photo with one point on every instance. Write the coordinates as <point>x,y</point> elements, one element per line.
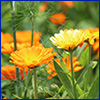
<point>69,39</point>
<point>6,38</point>
<point>9,47</point>
<point>25,36</point>
<point>76,67</point>
<point>93,34</point>
<point>58,18</point>
<point>69,4</point>
<point>9,72</point>
<point>32,57</point>
<point>43,7</point>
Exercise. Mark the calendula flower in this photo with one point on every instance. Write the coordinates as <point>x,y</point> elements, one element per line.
<point>69,4</point>
<point>69,39</point>
<point>43,7</point>
<point>25,36</point>
<point>93,36</point>
<point>65,4</point>
<point>32,57</point>
<point>3,97</point>
<point>9,72</point>
<point>51,69</point>
<point>95,47</point>
<point>58,18</point>
<point>6,38</point>
<point>9,47</point>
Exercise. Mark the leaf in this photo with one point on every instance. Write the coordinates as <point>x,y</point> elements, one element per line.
<point>69,76</point>
<point>64,80</point>
<point>64,95</point>
<point>82,96</point>
<point>94,91</point>
<point>84,57</point>
<point>95,63</point>
<point>64,67</point>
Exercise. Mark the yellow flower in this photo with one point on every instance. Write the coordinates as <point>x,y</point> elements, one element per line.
<point>32,57</point>
<point>69,39</point>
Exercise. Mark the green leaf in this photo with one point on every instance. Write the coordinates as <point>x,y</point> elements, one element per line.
<point>84,57</point>
<point>95,63</point>
<point>94,91</point>
<point>64,80</point>
<point>69,74</point>
<point>83,95</point>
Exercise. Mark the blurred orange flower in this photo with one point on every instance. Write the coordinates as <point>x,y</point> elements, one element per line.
<point>58,18</point>
<point>25,36</point>
<point>9,72</point>
<point>9,47</point>
<point>69,4</point>
<point>6,38</point>
<point>51,69</point>
<point>32,57</point>
<point>3,98</point>
<point>43,7</point>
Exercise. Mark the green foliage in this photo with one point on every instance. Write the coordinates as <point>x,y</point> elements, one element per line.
<point>94,91</point>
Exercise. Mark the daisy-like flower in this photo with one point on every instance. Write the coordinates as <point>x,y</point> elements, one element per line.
<point>6,38</point>
<point>51,69</point>
<point>9,47</point>
<point>69,39</point>
<point>93,34</point>
<point>95,47</point>
<point>32,57</point>
<point>58,18</point>
<point>25,36</point>
<point>9,72</point>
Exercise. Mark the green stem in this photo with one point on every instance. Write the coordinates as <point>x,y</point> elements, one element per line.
<point>73,76</point>
<point>32,28</point>
<point>15,47</point>
<point>89,53</point>
<point>34,83</point>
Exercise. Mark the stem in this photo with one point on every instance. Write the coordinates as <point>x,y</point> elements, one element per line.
<point>15,47</point>
<point>34,83</point>
<point>32,28</point>
<point>89,53</point>
<point>73,76</point>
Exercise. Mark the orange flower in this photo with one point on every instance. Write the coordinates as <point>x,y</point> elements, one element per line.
<point>9,47</point>
<point>32,57</point>
<point>96,49</point>
<point>93,30</point>
<point>65,4</point>
<point>69,4</point>
<point>58,18</point>
<point>25,36</point>
<point>43,7</point>
<point>9,72</point>
<point>6,38</point>
<point>94,34</point>
<point>3,98</point>
<point>52,71</point>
